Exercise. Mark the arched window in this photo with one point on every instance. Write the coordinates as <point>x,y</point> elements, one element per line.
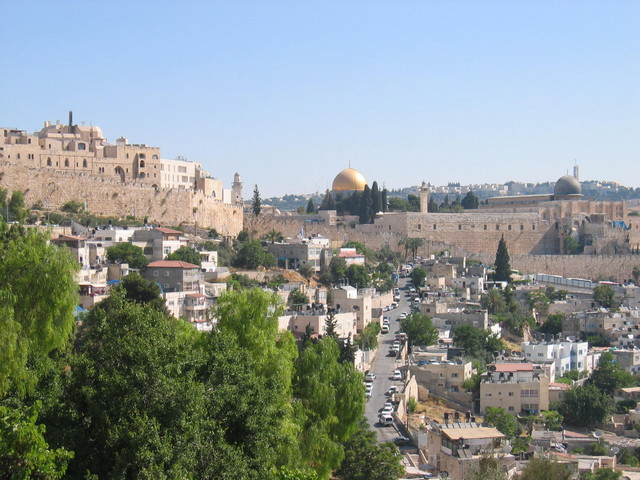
<point>84,163</point>
<point>141,163</point>
<point>82,146</point>
<point>142,175</point>
<point>66,162</point>
<point>155,157</point>
<point>48,161</point>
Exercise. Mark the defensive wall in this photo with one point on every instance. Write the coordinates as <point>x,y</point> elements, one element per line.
<point>532,250</point>
<point>110,197</point>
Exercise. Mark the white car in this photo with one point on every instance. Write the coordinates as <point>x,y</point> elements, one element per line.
<point>393,389</point>
<point>397,375</point>
<point>369,377</point>
<point>368,392</point>
<point>387,410</point>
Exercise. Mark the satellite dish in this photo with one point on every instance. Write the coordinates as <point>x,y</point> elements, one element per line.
<point>597,434</point>
<point>615,450</point>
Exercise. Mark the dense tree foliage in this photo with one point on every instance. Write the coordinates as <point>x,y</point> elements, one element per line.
<point>604,295</point>
<point>256,202</point>
<point>252,255</point>
<point>502,264</point>
<point>419,330</point>
<point>476,342</point>
<point>502,420</point>
<point>609,376</point>
<point>584,406</point>
<point>186,254</point>
<point>366,459</point>
<point>38,297</point>
<point>127,253</point>
<point>540,467</point>
<point>418,276</point>
<point>138,289</point>
<point>494,301</point>
<point>553,324</point>
<point>470,201</point>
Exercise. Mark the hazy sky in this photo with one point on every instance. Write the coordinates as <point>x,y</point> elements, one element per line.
<point>288,93</point>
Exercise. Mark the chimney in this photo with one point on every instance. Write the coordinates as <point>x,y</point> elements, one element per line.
<point>456,416</point>
<point>468,417</point>
<point>446,417</point>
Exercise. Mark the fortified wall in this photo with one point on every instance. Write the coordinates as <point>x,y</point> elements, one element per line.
<point>525,233</point>
<point>532,241</point>
<point>111,197</point>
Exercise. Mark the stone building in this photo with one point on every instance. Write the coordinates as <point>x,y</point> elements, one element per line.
<point>516,387</point>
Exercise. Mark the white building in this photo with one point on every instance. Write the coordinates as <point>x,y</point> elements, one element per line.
<point>564,356</point>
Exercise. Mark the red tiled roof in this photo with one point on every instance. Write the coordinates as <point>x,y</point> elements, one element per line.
<point>514,367</point>
<point>171,264</point>
<point>168,230</point>
<point>349,254</point>
<point>62,238</point>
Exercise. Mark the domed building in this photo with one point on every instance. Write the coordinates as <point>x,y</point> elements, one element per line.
<point>347,182</point>
<point>567,188</point>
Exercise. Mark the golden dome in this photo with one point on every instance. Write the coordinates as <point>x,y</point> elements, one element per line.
<point>349,179</point>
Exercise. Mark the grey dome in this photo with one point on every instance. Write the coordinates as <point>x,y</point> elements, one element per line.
<point>567,185</point>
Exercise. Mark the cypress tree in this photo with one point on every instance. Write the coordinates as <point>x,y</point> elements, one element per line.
<point>384,201</point>
<point>311,208</point>
<point>503,268</point>
<point>365,205</point>
<point>376,198</point>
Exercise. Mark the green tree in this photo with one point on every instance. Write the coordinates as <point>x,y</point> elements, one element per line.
<point>368,339</point>
<point>609,376</point>
<point>338,269</point>
<point>571,246</point>
<point>414,202</point>
<point>553,325</point>
<point>297,299</point>
<point>306,270</point>
<point>327,202</point>
<point>72,206</point>
<point>273,236</point>
<point>414,244</point>
<point>418,276</point>
<point>397,204</point>
<point>552,419</point>
<point>432,206</point>
<point>139,290</point>
<point>538,301</point>
<point>243,236</point>
<point>38,297</point>
<point>376,199</point>
<point>16,207</point>
<point>493,301</point>
<point>256,203</point>
<point>486,468</point>
<point>584,406</point>
<point>311,208</point>
<point>358,275</point>
<point>604,295</point>
<point>186,254</point>
<point>503,267</point>
<point>540,467</point>
<point>365,206</point>
<point>476,342</point>
<point>502,420</point>
<point>419,330</point>
<point>252,255</point>
<point>213,233</point>
<point>330,324</point>
<point>329,403</point>
<point>470,201</point>
<point>24,452</point>
<point>366,459</point>
<point>384,201</point>
<point>602,474</point>
<point>127,253</point>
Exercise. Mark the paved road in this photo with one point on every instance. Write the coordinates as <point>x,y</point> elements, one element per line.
<point>383,367</point>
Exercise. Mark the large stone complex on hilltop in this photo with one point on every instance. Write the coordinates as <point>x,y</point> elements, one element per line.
<point>532,225</point>
<point>63,163</point>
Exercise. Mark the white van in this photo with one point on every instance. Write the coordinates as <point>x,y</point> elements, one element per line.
<point>385,419</point>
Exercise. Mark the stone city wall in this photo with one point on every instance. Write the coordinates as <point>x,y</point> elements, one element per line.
<point>107,197</point>
<point>478,232</point>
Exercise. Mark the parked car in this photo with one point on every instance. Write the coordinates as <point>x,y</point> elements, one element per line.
<point>385,419</point>
<point>369,377</point>
<point>385,328</point>
<point>397,375</point>
<point>387,409</point>
<point>393,389</point>
<point>368,392</point>
<point>401,440</point>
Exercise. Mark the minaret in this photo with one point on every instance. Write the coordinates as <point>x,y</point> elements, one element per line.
<point>236,189</point>
<point>424,198</point>
<point>576,172</point>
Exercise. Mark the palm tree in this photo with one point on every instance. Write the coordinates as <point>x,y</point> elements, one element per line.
<point>273,236</point>
<point>414,245</point>
<point>404,242</point>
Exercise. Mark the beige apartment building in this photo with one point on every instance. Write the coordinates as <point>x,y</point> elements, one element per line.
<point>516,387</point>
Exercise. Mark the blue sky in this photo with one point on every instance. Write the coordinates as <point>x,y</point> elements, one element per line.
<point>288,93</point>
